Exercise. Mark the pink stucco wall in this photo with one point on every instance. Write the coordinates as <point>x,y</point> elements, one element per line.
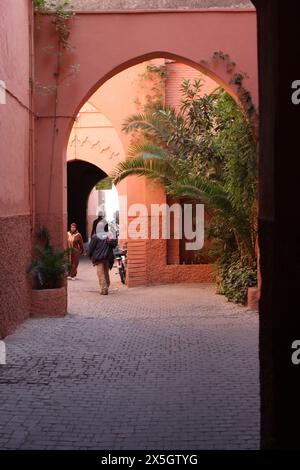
<point>176,72</point>
<point>14,116</point>
<point>107,43</point>
<point>94,139</point>
<point>15,163</point>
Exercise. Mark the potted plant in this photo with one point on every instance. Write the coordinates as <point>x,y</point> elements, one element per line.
<point>48,269</point>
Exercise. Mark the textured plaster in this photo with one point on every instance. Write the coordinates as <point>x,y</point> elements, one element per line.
<point>15,248</point>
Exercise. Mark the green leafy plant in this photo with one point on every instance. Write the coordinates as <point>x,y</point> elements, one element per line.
<point>206,151</point>
<point>40,5</point>
<point>106,183</point>
<point>235,276</point>
<point>237,79</point>
<point>48,267</point>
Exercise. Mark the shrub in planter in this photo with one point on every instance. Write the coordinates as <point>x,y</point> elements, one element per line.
<point>235,276</point>
<point>49,267</point>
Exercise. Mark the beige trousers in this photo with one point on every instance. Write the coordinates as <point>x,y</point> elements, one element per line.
<point>103,275</point>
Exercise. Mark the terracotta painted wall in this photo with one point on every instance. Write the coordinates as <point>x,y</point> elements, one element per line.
<point>15,163</point>
<point>188,37</point>
<point>177,71</point>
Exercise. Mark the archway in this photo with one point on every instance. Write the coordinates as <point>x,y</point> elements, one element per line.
<point>97,137</point>
<point>82,177</point>
<point>202,33</point>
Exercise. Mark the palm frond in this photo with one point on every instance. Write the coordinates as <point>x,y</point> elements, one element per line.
<point>143,147</point>
<point>160,168</point>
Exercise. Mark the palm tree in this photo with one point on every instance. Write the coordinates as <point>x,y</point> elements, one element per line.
<point>154,162</point>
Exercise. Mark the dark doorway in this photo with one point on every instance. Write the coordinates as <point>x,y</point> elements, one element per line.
<point>279,241</point>
<point>82,177</point>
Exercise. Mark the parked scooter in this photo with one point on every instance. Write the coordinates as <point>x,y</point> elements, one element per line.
<point>121,257</point>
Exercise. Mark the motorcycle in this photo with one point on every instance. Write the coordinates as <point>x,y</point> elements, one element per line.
<point>121,257</point>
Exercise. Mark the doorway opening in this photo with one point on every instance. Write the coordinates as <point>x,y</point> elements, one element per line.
<point>82,178</point>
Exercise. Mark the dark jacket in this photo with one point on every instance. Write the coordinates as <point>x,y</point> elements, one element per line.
<point>101,250</point>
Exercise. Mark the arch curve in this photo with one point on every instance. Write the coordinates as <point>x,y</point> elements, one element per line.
<point>209,71</point>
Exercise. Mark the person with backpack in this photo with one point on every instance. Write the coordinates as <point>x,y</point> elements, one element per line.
<point>101,252</point>
<point>100,217</point>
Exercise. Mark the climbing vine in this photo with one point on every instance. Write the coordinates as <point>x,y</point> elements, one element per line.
<point>159,70</point>
<point>61,14</point>
<point>157,76</point>
<point>237,79</point>
<point>39,4</point>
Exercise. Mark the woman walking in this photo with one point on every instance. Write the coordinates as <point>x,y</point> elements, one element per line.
<point>75,244</point>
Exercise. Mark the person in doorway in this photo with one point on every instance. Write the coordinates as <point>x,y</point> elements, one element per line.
<point>100,217</point>
<point>102,256</point>
<point>75,245</point>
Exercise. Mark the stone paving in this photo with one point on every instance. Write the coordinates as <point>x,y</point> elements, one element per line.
<point>166,367</point>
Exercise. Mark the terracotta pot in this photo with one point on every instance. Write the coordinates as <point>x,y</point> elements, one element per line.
<point>49,302</point>
<point>253,298</point>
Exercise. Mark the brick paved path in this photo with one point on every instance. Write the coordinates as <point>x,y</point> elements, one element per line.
<point>167,367</point>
